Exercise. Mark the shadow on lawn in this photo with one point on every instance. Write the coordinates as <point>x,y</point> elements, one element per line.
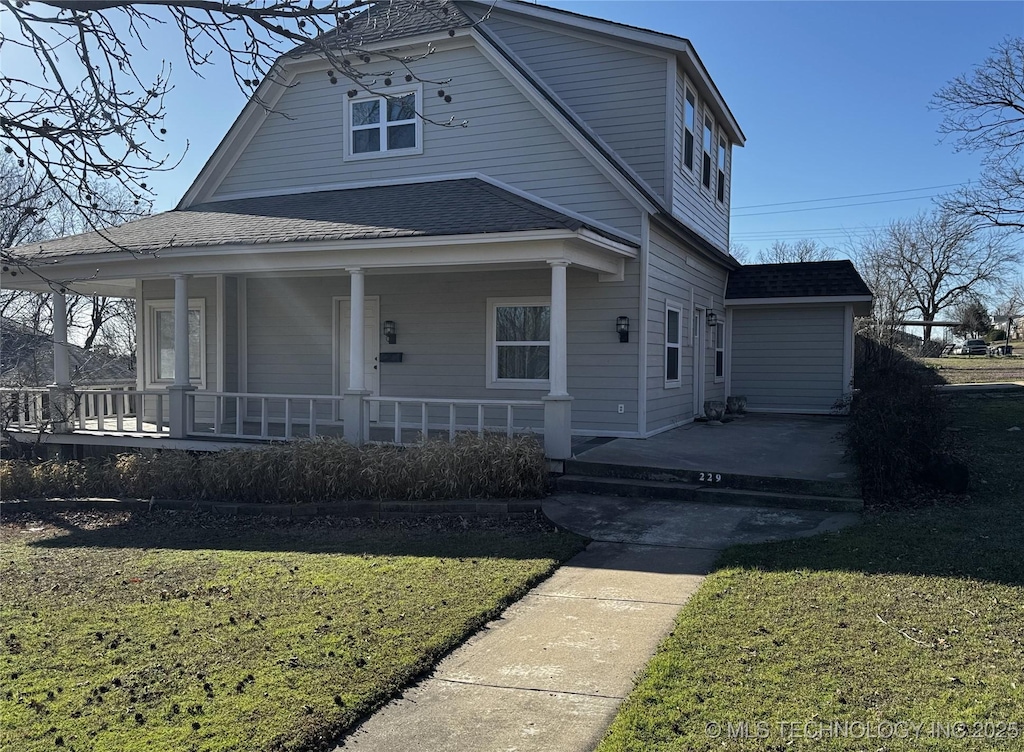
<point>193,531</point>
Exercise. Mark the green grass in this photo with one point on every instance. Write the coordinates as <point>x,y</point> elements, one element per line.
<point>915,616</point>
<point>172,631</point>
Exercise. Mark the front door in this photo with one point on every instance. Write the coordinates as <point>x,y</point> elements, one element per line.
<point>699,334</point>
<point>371,347</point>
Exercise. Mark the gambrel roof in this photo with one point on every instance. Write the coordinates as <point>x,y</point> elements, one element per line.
<point>468,206</point>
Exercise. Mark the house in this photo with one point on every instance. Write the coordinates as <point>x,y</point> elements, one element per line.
<point>26,359</point>
<point>537,242</point>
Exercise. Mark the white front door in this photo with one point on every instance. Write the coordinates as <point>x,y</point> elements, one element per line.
<point>371,346</point>
<point>699,335</point>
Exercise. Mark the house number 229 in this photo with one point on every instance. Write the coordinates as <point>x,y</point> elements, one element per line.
<point>710,477</point>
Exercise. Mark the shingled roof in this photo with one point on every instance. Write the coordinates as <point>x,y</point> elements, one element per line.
<point>391,19</point>
<point>447,207</point>
<point>808,279</point>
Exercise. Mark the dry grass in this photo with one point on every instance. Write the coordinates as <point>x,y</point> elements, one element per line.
<point>321,470</point>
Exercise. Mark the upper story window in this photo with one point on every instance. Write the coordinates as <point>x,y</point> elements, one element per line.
<point>722,148</point>
<point>709,147</point>
<point>689,127</point>
<point>384,125</point>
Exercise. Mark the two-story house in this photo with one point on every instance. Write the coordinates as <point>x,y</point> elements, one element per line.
<point>526,228</point>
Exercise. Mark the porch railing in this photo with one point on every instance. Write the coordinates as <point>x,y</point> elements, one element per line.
<point>246,415</point>
<point>95,408</point>
<point>423,415</point>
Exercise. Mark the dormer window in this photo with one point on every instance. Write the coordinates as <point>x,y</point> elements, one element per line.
<point>721,168</point>
<point>384,125</point>
<point>708,150</point>
<point>689,128</point>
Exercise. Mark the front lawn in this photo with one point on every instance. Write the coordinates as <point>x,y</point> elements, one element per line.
<point>977,369</point>
<point>174,631</point>
<point>915,617</point>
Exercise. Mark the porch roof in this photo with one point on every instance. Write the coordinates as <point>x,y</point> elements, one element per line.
<point>467,206</point>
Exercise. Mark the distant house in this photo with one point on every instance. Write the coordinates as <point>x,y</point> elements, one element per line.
<point>26,360</point>
<point>343,263</point>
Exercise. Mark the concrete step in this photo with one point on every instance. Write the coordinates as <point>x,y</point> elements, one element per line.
<point>678,491</point>
<point>838,487</point>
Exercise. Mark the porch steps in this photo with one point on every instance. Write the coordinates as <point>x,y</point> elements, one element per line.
<point>709,488</point>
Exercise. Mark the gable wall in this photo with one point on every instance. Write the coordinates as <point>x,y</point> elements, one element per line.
<point>618,93</point>
<point>678,276</point>
<point>506,138</point>
<point>692,203</point>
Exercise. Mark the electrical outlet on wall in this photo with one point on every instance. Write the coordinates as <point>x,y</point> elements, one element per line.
<point>622,409</point>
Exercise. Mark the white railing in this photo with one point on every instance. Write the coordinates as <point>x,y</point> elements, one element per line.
<point>426,414</point>
<point>248,415</point>
<point>27,409</point>
<point>120,409</point>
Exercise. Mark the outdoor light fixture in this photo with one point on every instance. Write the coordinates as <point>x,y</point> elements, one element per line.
<point>712,318</point>
<point>390,332</point>
<point>622,327</point>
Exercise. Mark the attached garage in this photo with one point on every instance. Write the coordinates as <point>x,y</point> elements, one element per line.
<point>790,329</point>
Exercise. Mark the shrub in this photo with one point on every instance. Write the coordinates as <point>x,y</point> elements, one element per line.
<point>321,470</point>
<point>996,335</point>
<point>896,427</point>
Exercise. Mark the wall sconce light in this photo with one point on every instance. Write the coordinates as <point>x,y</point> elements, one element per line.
<point>390,332</point>
<point>622,327</point>
<point>712,318</point>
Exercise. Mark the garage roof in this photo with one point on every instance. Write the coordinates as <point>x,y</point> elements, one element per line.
<point>806,279</point>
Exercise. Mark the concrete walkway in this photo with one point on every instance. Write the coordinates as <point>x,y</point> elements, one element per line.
<point>550,673</point>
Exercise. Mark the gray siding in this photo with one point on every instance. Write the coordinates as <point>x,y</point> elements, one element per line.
<point>618,93</point>
<point>788,359</point>
<point>230,334</point>
<point>507,138</point>
<point>442,336</point>
<point>692,203</point>
<point>201,287</point>
<point>679,276</point>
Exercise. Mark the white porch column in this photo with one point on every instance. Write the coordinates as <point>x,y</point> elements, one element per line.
<point>178,391</point>
<point>354,412</point>
<point>558,403</point>
<point>62,396</point>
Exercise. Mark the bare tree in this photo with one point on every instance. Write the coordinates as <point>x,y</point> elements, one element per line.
<point>892,298</point>
<point>31,210</point>
<point>934,261</point>
<point>782,252</point>
<point>91,114</point>
<point>984,112</point>
<point>739,252</point>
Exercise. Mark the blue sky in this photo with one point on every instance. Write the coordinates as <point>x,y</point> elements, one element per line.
<point>832,97</point>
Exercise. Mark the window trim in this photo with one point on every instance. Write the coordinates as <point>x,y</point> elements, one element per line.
<point>719,352</point>
<point>677,308</point>
<point>689,95</point>
<point>152,306</point>
<point>382,96</point>
<point>722,160</point>
<point>706,157</point>
<point>493,382</point>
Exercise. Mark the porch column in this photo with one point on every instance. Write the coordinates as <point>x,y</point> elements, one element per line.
<point>178,391</point>
<point>354,413</point>
<point>558,403</point>
<point>62,396</point>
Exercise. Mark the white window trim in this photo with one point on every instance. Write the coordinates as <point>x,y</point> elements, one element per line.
<point>712,161</point>
<point>692,169</point>
<point>671,305</point>
<point>720,329</point>
<point>721,163</point>
<point>493,382</point>
<point>152,306</point>
<point>382,94</point>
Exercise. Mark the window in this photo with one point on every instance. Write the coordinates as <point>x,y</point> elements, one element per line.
<point>383,125</point>
<point>721,168</point>
<point>673,344</point>
<point>160,351</point>
<point>519,333</point>
<point>689,127</point>
<point>708,148</point>
<point>719,352</point>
